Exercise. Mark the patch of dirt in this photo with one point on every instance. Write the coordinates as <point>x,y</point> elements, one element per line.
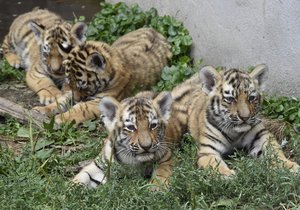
<point>18,92</point>
<point>14,144</point>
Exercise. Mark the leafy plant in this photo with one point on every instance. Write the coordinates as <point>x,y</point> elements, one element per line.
<point>116,20</point>
<point>285,108</point>
<point>9,126</point>
<point>175,74</point>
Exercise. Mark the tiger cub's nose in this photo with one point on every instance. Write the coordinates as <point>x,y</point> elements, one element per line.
<point>244,118</point>
<point>146,146</point>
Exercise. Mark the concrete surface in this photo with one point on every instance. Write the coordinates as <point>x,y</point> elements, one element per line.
<point>241,33</point>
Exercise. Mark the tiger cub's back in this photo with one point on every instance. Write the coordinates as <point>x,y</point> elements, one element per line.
<point>182,96</point>
<point>144,52</point>
<point>21,38</point>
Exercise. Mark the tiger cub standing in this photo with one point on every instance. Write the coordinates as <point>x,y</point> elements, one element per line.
<point>143,130</point>
<point>224,117</point>
<point>38,41</point>
<point>95,69</point>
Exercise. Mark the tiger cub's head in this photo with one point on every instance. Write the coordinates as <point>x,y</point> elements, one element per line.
<point>235,96</point>
<point>137,126</point>
<point>91,68</point>
<point>56,42</point>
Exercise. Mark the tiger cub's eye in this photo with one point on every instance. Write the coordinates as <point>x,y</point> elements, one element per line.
<point>251,98</point>
<point>153,126</point>
<point>130,128</point>
<point>229,99</point>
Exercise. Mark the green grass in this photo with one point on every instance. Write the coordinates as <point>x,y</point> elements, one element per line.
<point>30,182</point>
<point>38,177</point>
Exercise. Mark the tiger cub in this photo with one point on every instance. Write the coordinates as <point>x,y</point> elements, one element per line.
<point>143,130</point>
<point>38,41</point>
<point>224,117</point>
<point>95,69</point>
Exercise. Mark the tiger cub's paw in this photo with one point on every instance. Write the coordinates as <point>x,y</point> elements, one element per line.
<point>14,60</point>
<point>44,110</point>
<point>84,180</point>
<point>158,184</point>
<point>90,176</point>
<point>226,172</point>
<point>293,167</point>
<point>58,119</point>
<point>49,96</point>
<point>63,118</point>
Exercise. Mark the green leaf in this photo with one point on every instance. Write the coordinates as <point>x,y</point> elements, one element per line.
<point>187,40</point>
<point>91,125</point>
<point>292,116</point>
<point>225,203</point>
<point>50,125</point>
<point>280,108</point>
<point>44,154</point>
<point>23,132</point>
<point>171,31</point>
<point>42,143</point>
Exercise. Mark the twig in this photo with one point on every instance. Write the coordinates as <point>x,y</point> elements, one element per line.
<point>20,113</point>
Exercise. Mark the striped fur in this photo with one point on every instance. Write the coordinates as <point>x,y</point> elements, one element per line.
<point>224,117</point>
<point>95,70</point>
<point>143,130</point>
<point>38,41</point>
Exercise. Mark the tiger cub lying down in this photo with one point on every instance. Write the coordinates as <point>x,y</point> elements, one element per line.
<point>38,41</point>
<point>224,117</point>
<point>143,130</point>
<point>95,69</point>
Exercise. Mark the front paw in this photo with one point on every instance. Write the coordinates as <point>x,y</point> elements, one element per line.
<point>43,109</point>
<point>14,60</point>
<point>59,119</point>
<point>84,179</point>
<point>293,167</point>
<point>90,176</point>
<point>226,172</point>
<point>64,118</point>
<point>48,97</point>
<point>159,184</point>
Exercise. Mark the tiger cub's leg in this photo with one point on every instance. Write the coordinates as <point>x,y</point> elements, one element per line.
<point>81,112</point>
<point>41,84</point>
<point>59,106</point>
<point>267,141</point>
<point>161,174</point>
<point>208,156</point>
<point>12,58</point>
<point>97,172</point>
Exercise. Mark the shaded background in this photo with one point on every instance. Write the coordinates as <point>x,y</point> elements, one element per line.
<point>10,9</point>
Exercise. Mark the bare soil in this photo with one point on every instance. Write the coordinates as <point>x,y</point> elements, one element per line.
<point>18,92</point>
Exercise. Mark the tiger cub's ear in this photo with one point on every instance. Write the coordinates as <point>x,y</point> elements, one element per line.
<point>163,102</point>
<point>37,29</point>
<point>209,78</point>
<point>260,75</point>
<point>108,107</point>
<point>96,61</point>
<point>79,32</point>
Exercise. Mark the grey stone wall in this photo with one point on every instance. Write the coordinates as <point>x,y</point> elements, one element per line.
<point>241,33</point>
